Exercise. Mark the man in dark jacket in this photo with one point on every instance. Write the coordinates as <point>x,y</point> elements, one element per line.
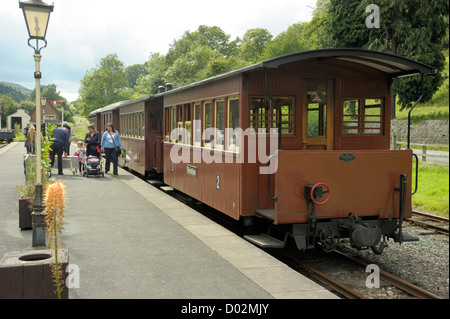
<point>60,145</point>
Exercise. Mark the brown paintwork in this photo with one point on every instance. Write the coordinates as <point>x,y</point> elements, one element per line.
<point>243,190</point>
<point>364,186</point>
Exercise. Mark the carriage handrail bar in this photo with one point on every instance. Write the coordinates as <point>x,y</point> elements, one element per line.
<point>275,198</point>
<point>416,187</point>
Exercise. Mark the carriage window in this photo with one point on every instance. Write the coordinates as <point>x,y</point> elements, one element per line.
<point>317,110</point>
<point>135,125</point>
<point>173,123</point>
<point>220,123</point>
<point>362,116</point>
<point>142,126</point>
<point>287,115</point>
<point>187,124</point>
<point>207,123</point>
<point>180,123</point>
<point>233,124</point>
<point>259,114</point>
<point>263,114</point>
<point>197,124</point>
<point>167,124</point>
<point>125,125</point>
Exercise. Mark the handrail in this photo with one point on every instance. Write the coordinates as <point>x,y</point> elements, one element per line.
<point>402,204</point>
<point>275,198</point>
<point>417,174</point>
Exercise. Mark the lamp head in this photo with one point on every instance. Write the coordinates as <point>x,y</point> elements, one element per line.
<point>37,15</point>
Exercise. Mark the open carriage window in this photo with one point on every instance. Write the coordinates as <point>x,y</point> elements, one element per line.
<point>263,114</point>
<point>362,116</point>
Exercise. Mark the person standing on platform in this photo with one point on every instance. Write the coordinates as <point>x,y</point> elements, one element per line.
<point>93,136</point>
<point>31,136</point>
<point>60,146</point>
<point>25,132</point>
<point>111,140</point>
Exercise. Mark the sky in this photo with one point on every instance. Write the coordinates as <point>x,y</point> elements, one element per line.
<point>82,32</point>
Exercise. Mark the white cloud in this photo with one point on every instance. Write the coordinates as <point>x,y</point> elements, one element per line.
<point>82,32</point>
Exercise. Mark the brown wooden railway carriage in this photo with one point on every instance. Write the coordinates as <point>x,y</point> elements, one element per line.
<point>334,175</point>
<point>139,123</point>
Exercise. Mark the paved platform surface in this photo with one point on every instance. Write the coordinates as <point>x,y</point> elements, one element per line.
<point>131,240</point>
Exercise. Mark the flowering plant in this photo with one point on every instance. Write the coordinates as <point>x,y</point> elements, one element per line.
<point>54,219</point>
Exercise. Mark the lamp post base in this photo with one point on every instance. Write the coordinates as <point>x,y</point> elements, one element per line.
<point>37,219</point>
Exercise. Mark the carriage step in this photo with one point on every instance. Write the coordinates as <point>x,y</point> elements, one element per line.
<point>268,213</point>
<point>155,183</point>
<point>265,241</point>
<point>167,189</point>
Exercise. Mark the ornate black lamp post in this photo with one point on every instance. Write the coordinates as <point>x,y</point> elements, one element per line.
<point>37,15</point>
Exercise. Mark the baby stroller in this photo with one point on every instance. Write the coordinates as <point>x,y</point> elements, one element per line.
<point>93,161</point>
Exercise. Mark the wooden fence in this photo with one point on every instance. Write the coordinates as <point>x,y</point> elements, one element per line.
<point>442,155</point>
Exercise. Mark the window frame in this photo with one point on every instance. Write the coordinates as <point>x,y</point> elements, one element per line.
<point>204,122</point>
<point>216,129</point>
<point>229,129</point>
<point>360,119</point>
<point>264,123</point>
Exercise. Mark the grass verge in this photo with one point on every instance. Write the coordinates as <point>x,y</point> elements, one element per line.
<point>432,194</point>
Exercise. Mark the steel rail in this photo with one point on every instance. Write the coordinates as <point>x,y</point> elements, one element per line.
<point>394,280</point>
<point>436,218</point>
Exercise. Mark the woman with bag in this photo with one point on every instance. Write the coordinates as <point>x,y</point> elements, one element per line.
<point>112,147</point>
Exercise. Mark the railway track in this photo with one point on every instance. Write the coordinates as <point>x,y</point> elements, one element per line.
<point>433,222</point>
<point>347,276</point>
<point>350,286</point>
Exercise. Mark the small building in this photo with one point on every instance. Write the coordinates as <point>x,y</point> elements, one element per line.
<point>49,114</point>
<point>20,117</point>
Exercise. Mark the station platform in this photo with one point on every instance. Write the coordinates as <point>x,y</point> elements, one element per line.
<point>132,241</point>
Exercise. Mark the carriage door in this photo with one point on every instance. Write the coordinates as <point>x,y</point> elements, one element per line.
<point>318,114</point>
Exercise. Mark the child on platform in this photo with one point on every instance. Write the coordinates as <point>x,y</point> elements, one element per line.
<point>81,153</point>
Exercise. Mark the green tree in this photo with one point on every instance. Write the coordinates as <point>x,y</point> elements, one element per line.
<point>413,29</point>
<point>104,85</point>
<point>253,44</point>
<point>316,31</point>
<point>290,41</point>
<point>210,37</point>
<point>219,65</point>
<point>48,91</point>
<point>409,28</point>
<point>7,107</point>
<point>155,68</point>
<point>191,67</point>
<point>27,105</point>
<point>346,26</point>
<point>133,72</point>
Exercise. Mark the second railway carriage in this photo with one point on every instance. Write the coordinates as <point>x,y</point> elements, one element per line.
<point>330,172</point>
<point>140,125</point>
